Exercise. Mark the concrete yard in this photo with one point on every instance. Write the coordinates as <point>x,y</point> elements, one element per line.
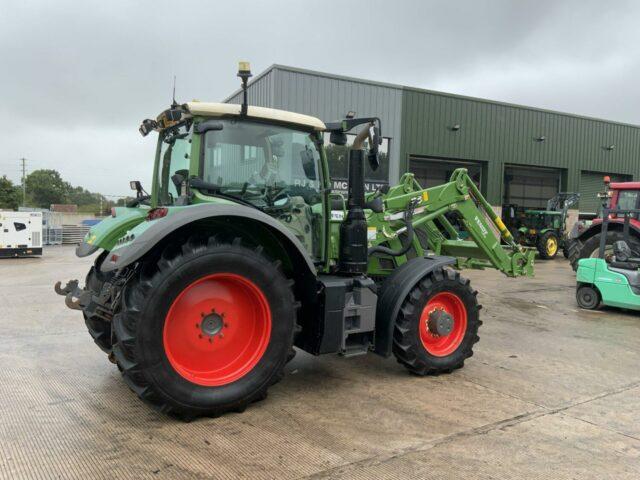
<point>552,392</point>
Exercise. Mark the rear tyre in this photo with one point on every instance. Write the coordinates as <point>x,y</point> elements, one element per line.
<point>206,329</point>
<point>99,329</point>
<point>437,325</point>
<point>547,245</point>
<point>587,297</point>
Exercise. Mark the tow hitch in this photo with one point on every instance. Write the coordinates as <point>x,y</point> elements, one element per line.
<point>75,297</point>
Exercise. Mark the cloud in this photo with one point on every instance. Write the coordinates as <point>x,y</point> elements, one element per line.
<point>78,77</point>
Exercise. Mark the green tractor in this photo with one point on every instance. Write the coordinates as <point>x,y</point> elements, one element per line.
<point>242,251</point>
<point>545,229</point>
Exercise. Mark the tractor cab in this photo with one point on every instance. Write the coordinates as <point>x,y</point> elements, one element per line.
<point>538,220</point>
<point>266,159</point>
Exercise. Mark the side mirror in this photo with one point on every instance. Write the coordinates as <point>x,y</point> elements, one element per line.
<point>179,178</point>
<point>308,164</point>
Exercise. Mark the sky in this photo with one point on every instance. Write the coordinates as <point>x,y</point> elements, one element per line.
<point>78,77</point>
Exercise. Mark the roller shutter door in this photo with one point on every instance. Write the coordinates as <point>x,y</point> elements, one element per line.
<point>431,172</point>
<point>529,187</point>
<point>591,184</point>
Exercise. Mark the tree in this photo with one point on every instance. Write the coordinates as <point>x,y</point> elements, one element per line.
<point>45,187</point>
<point>9,194</point>
<point>81,196</point>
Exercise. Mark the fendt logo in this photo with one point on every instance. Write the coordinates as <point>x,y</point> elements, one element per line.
<point>481,226</point>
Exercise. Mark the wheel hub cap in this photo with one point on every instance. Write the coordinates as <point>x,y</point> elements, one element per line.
<point>443,324</point>
<point>212,324</point>
<point>440,323</point>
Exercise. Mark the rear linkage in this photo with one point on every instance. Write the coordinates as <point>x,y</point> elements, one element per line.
<point>103,304</point>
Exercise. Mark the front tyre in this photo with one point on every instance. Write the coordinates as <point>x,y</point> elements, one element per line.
<point>587,297</point>
<point>206,330</point>
<point>437,325</point>
<point>547,245</point>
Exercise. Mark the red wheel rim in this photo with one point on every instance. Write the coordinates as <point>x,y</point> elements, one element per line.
<point>217,329</point>
<point>443,345</point>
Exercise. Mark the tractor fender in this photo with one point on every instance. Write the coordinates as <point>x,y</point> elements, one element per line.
<point>393,292</point>
<point>615,224</point>
<point>143,243</point>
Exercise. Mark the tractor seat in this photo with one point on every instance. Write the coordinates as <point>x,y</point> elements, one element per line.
<point>622,257</point>
<point>624,264</point>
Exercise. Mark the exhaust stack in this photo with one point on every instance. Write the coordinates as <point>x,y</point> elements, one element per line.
<point>353,231</point>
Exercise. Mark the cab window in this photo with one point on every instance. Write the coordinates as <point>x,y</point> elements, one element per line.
<point>274,168</point>
<point>628,200</point>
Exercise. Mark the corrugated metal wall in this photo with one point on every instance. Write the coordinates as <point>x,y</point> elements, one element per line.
<point>591,183</point>
<point>260,91</point>
<point>506,134</point>
<point>419,123</point>
<point>330,98</point>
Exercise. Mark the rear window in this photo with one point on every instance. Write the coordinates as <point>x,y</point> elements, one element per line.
<point>628,200</point>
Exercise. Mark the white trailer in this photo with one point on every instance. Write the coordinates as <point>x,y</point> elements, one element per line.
<point>20,234</point>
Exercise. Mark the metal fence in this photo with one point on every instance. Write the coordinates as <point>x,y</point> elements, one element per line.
<point>54,232</point>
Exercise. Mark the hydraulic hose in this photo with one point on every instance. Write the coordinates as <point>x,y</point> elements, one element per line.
<point>406,245</point>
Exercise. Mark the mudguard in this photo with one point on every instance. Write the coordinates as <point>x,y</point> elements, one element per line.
<point>615,224</point>
<point>149,236</point>
<point>393,293</point>
<point>106,233</point>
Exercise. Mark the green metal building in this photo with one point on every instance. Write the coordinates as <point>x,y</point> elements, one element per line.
<point>517,154</point>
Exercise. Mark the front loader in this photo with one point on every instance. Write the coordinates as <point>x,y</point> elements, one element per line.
<point>242,252</point>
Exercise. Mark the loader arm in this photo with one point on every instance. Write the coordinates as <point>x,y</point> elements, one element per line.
<point>458,201</point>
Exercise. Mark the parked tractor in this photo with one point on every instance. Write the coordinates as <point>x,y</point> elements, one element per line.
<point>241,251</point>
<point>584,242</point>
<point>545,229</point>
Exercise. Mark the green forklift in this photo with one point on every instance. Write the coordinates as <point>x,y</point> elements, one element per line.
<point>545,229</point>
<point>610,279</point>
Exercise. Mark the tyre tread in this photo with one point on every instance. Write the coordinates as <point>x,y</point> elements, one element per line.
<point>405,348</point>
<point>125,324</point>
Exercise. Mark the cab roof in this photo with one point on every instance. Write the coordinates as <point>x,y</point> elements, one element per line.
<point>229,109</point>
